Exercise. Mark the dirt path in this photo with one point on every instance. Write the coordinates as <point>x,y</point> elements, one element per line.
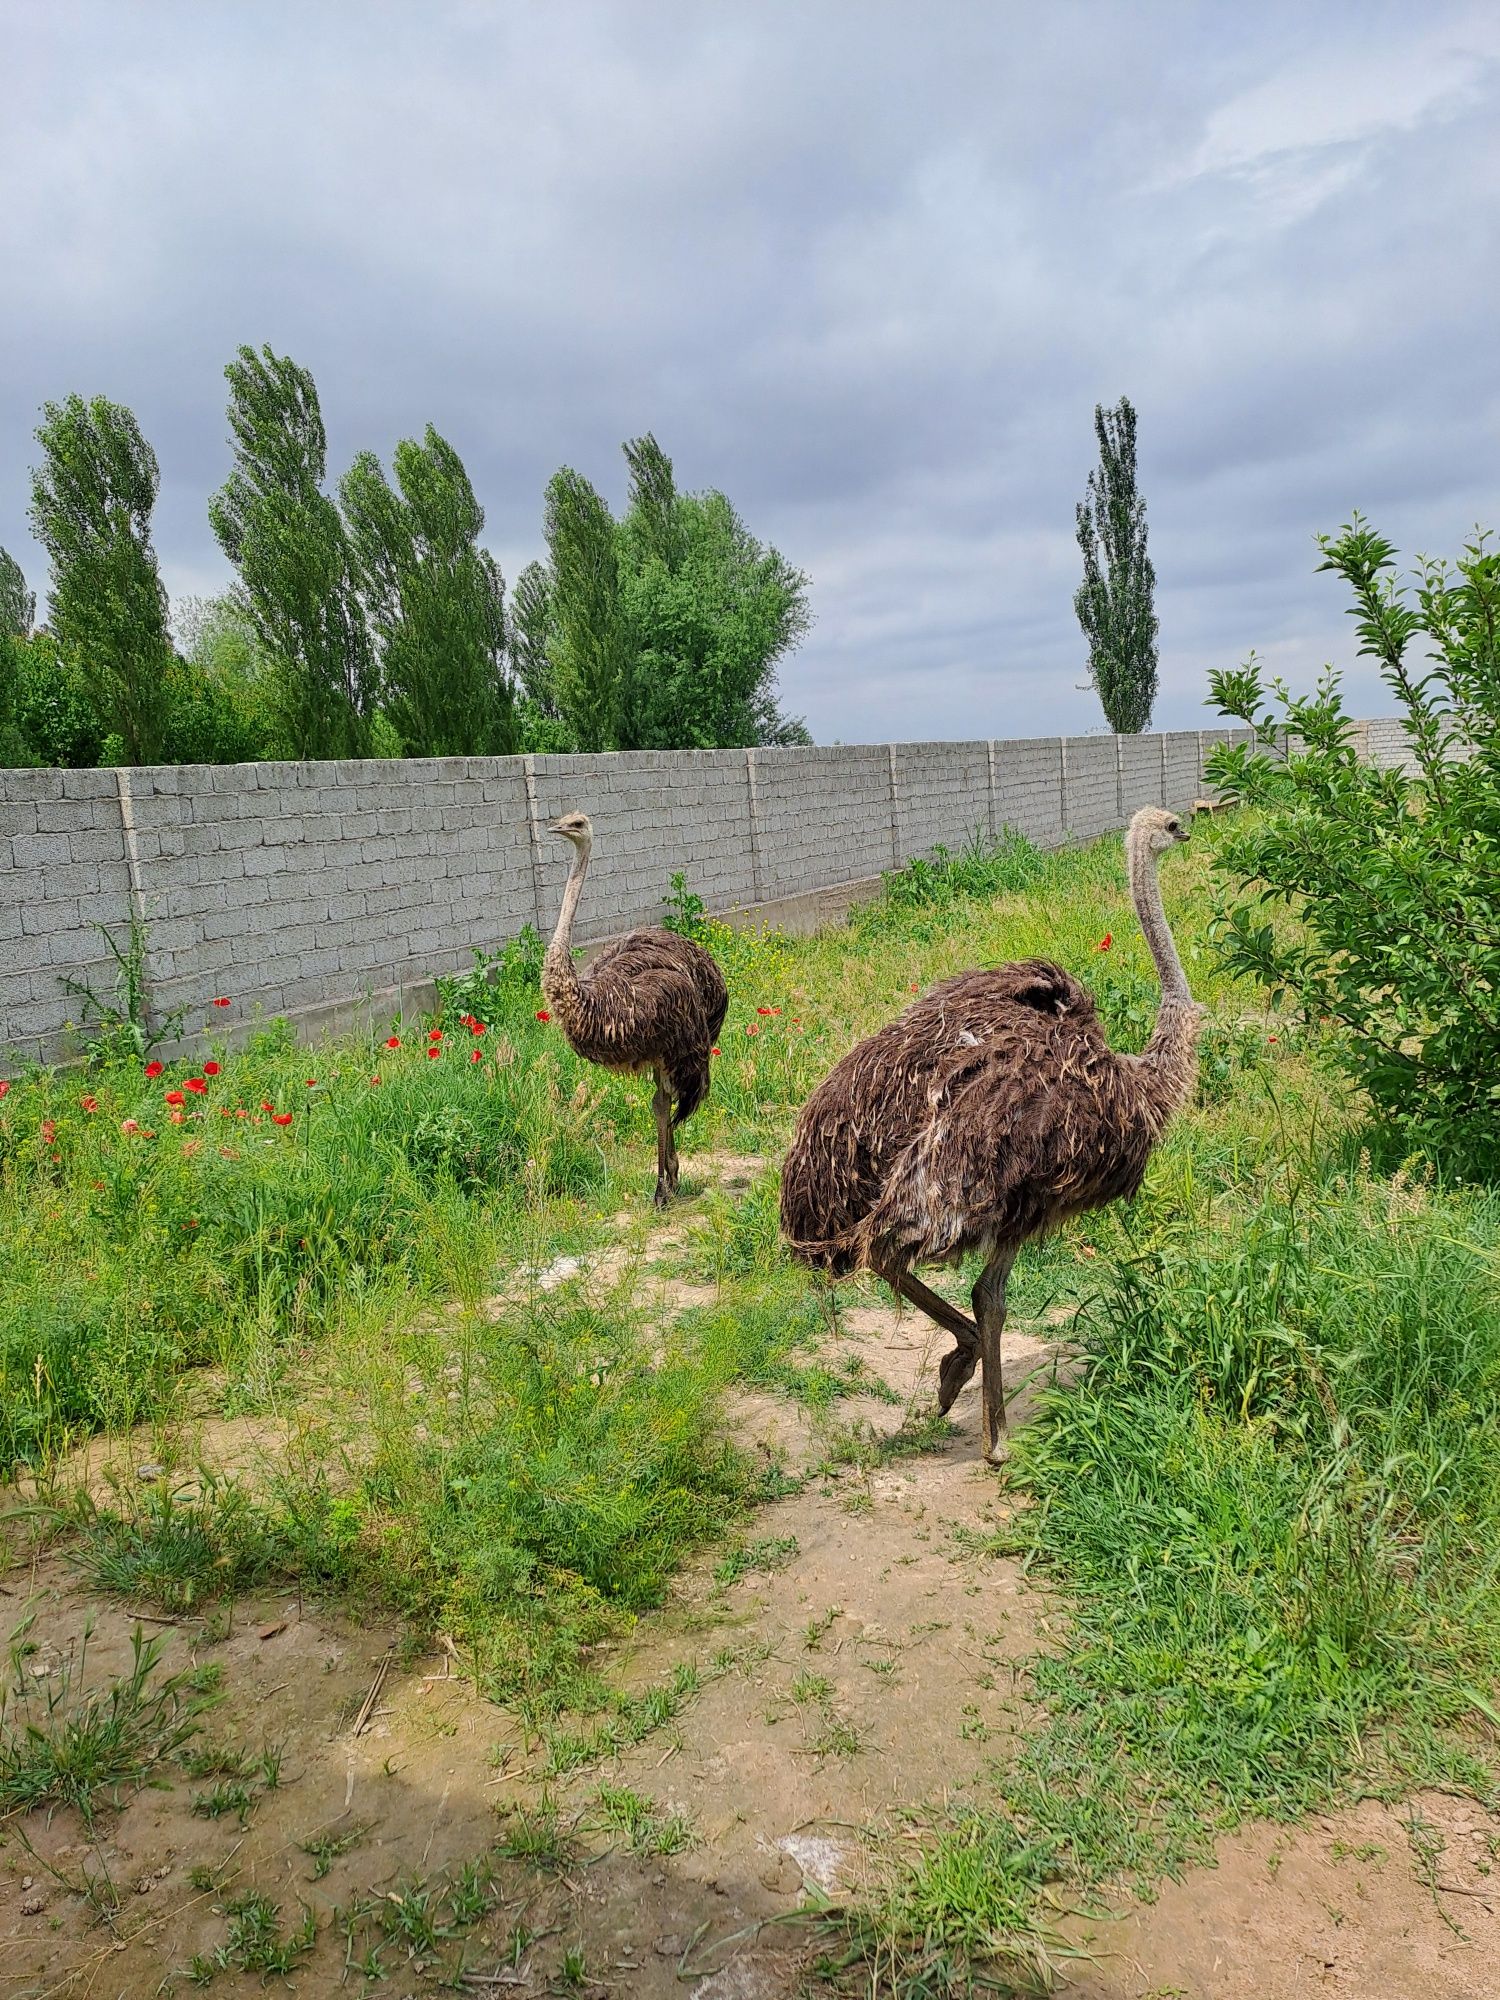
<point>857,1665</point>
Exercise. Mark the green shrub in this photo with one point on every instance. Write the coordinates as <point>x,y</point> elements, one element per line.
<point>1393,877</point>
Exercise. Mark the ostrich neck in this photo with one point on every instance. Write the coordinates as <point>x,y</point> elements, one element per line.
<point>1145,891</point>
<point>559,976</point>
<point>1170,1056</point>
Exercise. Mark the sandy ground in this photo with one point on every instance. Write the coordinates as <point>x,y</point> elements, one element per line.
<point>873,1676</point>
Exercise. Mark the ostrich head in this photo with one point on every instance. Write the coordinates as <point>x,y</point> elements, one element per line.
<point>1154,830</point>
<point>576,828</point>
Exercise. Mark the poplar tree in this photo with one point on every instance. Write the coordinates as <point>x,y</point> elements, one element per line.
<point>91,502</point>
<point>1115,600</point>
<point>17,603</point>
<point>285,537</point>
<point>435,599</point>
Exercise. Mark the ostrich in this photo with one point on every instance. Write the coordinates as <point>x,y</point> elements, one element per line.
<point>652,1000</point>
<point>990,1112</point>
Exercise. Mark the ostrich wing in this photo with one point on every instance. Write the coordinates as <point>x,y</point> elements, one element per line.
<point>653,997</point>
<point>973,1115</point>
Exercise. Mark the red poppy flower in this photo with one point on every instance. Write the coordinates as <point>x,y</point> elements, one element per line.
<point>92,1103</point>
<point>265,1105</point>
<point>222,1000</point>
<point>153,1071</point>
<point>914,986</point>
<point>764,1010</point>
<point>751,1029</point>
<point>225,1112</point>
<point>1105,942</point>
<point>775,1010</point>
<point>49,1131</point>
<point>796,1021</point>
<point>175,1116</point>
<point>476,1027</point>
<point>476,1055</point>
<point>312,1083</point>
<point>129,1125</point>
<point>715,1052</point>
<point>4,1086</point>
<point>281,1117</point>
<point>210,1069</point>
<point>434,1034</point>
<point>196,1085</point>
<point>542,1014</point>
<point>393,1041</point>
<point>1269,1038</point>
<point>175,1097</point>
<point>374,1079</point>
<point>241,1112</point>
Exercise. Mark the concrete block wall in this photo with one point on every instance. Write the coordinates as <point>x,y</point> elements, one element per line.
<point>63,869</point>
<point>942,794</point>
<point>654,812</point>
<point>313,889</point>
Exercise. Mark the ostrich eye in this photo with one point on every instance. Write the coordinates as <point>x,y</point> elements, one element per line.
<point>1174,826</point>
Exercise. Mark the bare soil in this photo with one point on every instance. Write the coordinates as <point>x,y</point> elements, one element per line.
<point>876,1678</point>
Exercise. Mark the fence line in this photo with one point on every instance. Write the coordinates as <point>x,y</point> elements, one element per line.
<point>311,889</point>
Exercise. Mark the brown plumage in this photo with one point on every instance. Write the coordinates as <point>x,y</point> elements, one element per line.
<point>650,1001</point>
<point>990,1112</point>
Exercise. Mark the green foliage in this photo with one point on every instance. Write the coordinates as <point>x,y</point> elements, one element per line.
<point>435,600</point>
<point>920,898</point>
<point>710,613</point>
<point>65,1742</point>
<point>1115,601</point>
<point>498,984</point>
<point>117,1027</point>
<point>220,687</point>
<point>176,1546</point>
<point>255,1942</point>
<point>284,536</point>
<point>51,702</point>
<point>17,603</point>
<point>662,630</point>
<point>683,910</point>
<point>92,498</point>
<point>588,645</point>
<point>1393,876</point>
<point>1273,1494</point>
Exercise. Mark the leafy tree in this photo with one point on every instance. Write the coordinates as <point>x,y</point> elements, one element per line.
<point>1115,600</point>
<point>17,603</point>
<point>664,629</point>
<point>1393,875</point>
<point>539,718</point>
<point>92,498</point>
<point>53,718</point>
<point>219,686</point>
<point>285,537</point>
<point>589,647</point>
<point>710,613</point>
<point>435,599</point>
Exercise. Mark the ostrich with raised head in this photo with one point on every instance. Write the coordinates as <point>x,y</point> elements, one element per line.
<point>650,1001</point>
<point>990,1112</point>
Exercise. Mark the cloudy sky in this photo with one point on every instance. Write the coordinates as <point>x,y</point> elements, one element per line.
<point>866,267</point>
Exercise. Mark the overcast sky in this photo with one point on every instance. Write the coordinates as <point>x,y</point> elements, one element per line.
<point>866,268</point>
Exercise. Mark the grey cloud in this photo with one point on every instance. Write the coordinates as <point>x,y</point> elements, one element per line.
<point>865,269</point>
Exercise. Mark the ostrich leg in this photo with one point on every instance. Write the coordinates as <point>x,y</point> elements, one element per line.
<point>958,1366</point>
<point>666,1152</point>
<point>989,1312</point>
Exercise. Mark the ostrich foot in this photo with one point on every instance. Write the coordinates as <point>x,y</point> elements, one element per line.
<point>998,1449</point>
<point>955,1370</point>
<point>663,1196</point>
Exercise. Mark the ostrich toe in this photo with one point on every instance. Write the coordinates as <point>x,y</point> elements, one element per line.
<point>955,1370</point>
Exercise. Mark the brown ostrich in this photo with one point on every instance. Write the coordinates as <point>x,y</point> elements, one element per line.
<point>990,1112</point>
<point>650,1001</point>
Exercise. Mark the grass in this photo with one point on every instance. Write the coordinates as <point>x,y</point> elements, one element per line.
<point>67,1740</point>
<point>1269,1505</point>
